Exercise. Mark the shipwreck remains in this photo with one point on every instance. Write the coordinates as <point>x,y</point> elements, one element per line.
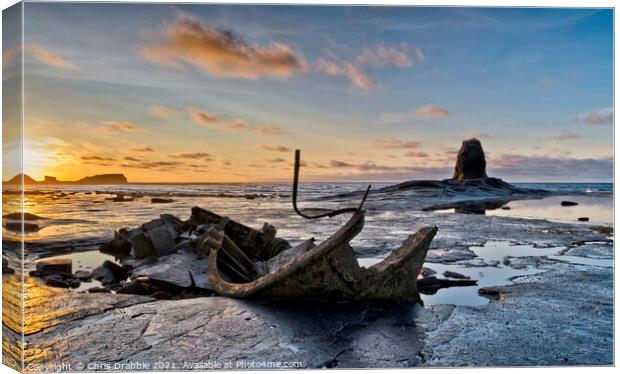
<point>327,271</point>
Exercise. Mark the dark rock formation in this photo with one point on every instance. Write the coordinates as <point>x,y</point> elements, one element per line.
<point>95,179</point>
<point>18,179</point>
<point>104,179</point>
<point>470,161</point>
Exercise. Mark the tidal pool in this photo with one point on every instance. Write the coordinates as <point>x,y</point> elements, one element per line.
<point>494,273</point>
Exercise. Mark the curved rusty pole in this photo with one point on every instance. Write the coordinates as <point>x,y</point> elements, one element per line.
<point>330,214</point>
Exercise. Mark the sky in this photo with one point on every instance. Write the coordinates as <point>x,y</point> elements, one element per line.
<point>224,93</point>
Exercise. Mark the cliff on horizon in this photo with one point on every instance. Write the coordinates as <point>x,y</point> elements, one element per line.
<point>95,179</point>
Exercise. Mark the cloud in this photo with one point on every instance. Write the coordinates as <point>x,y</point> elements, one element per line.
<point>349,70</point>
<point>159,165</point>
<point>275,148</point>
<point>379,57</point>
<point>385,56</point>
<point>603,116</point>
<point>208,119</point>
<point>515,167</point>
<point>161,111</point>
<point>393,143</point>
<point>143,149</point>
<point>97,158</point>
<point>429,111</point>
<point>9,55</point>
<point>193,156</point>
<point>480,135</point>
<point>565,135</point>
<point>219,52</point>
<point>416,154</point>
<point>276,160</point>
<point>48,57</point>
<point>340,164</point>
<point>133,159</point>
<point>113,126</point>
<point>270,130</point>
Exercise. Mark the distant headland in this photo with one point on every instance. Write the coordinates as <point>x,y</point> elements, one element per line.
<point>95,179</point>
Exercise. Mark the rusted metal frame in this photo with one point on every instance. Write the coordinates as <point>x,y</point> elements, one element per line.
<point>330,214</point>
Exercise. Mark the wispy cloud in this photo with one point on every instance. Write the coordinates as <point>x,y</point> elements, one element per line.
<point>193,156</point>
<point>603,116</point>
<point>379,57</point>
<point>47,57</point>
<point>97,158</point>
<point>429,111</point>
<point>274,148</point>
<point>480,135</point>
<point>385,56</point>
<point>9,55</point>
<point>516,167</point>
<point>213,120</point>
<point>416,154</point>
<point>346,69</point>
<point>113,126</point>
<point>393,143</point>
<point>432,111</point>
<point>565,135</point>
<point>221,53</point>
<point>276,160</point>
<point>161,111</point>
<point>143,148</point>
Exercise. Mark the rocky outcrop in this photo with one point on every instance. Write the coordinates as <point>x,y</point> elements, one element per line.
<point>95,179</point>
<point>470,161</point>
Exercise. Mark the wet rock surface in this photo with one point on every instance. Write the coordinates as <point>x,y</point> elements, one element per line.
<point>542,320</point>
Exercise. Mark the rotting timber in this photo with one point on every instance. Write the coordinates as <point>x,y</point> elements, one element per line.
<point>255,266</point>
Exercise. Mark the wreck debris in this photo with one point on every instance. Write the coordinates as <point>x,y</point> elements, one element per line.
<point>328,271</point>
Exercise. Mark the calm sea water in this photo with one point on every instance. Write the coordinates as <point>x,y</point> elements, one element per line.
<point>77,212</point>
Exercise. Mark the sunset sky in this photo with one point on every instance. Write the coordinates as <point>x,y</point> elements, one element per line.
<point>211,93</point>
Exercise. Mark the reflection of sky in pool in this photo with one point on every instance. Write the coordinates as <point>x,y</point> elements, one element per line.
<point>490,275</point>
<point>599,209</point>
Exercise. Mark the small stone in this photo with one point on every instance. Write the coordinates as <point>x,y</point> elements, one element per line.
<point>506,207</point>
<point>568,203</point>
<point>55,266</point>
<point>451,274</point>
<point>74,283</point>
<point>426,272</point>
<point>583,219</point>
